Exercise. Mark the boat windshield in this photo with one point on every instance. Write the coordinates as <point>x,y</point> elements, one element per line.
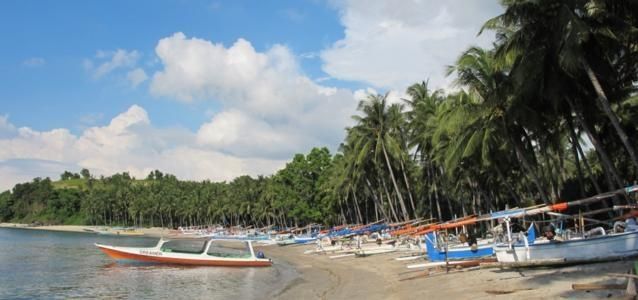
<point>228,249</point>
<point>184,246</point>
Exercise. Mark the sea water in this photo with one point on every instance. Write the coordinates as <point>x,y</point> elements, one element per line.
<point>60,265</point>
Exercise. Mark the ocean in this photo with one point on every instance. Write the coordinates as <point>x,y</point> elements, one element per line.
<point>60,265</point>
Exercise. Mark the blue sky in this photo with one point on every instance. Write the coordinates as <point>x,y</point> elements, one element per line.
<point>207,89</point>
<point>64,33</point>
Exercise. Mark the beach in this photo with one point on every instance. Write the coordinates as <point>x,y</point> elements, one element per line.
<point>150,232</point>
<point>383,277</point>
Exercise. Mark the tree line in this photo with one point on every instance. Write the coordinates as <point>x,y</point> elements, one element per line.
<point>548,113</point>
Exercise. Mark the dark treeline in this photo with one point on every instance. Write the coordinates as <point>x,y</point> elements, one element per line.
<point>549,112</point>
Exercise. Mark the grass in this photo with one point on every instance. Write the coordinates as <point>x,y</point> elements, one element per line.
<point>81,183</point>
<point>70,184</point>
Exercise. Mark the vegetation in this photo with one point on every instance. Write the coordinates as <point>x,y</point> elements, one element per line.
<point>548,113</point>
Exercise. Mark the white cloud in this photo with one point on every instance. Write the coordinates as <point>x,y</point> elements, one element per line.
<point>91,119</point>
<point>393,96</point>
<point>22,170</point>
<point>34,62</point>
<point>269,107</point>
<point>6,129</point>
<point>391,46</point>
<point>128,143</point>
<point>137,76</point>
<point>239,134</point>
<point>109,61</point>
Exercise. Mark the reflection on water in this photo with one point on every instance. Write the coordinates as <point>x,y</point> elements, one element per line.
<point>35,264</point>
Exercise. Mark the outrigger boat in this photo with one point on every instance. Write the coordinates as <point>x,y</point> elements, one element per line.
<point>439,249</point>
<point>593,246</point>
<point>437,252</point>
<point>200,252</point>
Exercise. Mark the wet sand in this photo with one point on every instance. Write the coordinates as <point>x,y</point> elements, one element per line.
<point>383,277</point>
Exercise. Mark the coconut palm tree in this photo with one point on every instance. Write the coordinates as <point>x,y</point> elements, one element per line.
<point>584,40</point>
<point>376,135</point>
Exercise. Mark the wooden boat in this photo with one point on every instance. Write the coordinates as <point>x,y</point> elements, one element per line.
<point>597,245</point>
<point>543,252</point>
<point>200,252</point>
<point>437,252</point>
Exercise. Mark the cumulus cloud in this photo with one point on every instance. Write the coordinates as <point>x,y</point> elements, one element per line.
<point>6,128</point>
<point>106,62</point>
<point>128,143</point>
<point>135,77</point>
<point>22,170</point>
<point>269,107</point>
<point>391,46</point>
<point>34,62</point>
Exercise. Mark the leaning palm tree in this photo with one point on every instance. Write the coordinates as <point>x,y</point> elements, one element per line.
<point>583,39</point>
<point>484,121</point>
<point>423,105</point>
<point>374,133</point>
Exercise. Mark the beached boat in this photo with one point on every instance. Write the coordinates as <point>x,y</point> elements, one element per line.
<point>436,252</point>
<point>592,246</point>
<point>597,248</point>
<point>201,252</point>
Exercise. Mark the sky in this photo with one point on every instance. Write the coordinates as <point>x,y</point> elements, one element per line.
<point>208,89</point>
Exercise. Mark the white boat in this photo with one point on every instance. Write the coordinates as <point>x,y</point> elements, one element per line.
<point>201,252</point>
<point>603,247</point>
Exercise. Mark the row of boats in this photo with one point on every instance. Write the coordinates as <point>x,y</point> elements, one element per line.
<point>119,231</point>
<point>515,241</point>
<point>514,247</point>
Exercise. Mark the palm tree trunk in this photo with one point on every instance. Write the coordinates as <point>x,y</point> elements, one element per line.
<point>407,186</point>
<point>550,173</point>
<point>589,170</point>
<point>356,207</point>
<point>531,173</point>
<point>387,193</point>
<point>377,201</point>
<point>510,189</point>
<point>607,164</point>
<point>604,103</point>
<point>436,195</point>
<point>394,182</point>
<point>574,140</point>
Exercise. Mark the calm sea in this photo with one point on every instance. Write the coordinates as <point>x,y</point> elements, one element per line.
<point>57,265</point>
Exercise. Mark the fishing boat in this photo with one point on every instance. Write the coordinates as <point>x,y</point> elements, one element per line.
<point>591,246</point>
<point>304,239</point>
<point>599,247</point>
<point>436,251</point>
<point>200,252</point>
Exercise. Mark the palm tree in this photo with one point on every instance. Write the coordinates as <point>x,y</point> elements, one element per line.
<point>377,135</point>
<point>421,124</point>
<point>484,122</point>
<point>581,39</point>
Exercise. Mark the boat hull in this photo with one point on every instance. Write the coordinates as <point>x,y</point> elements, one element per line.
<point>153,255</point>
<point>456,252</point>
<point>608,247</point>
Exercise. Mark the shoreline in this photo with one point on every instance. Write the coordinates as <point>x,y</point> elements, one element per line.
<point>148,232</point>
<point>382,277</point>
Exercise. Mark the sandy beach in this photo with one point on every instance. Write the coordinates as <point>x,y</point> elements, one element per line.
<point>151,232</point>
<point>383,277</point>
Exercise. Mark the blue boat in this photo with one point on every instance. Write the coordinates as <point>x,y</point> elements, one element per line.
<point>436,253</point>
